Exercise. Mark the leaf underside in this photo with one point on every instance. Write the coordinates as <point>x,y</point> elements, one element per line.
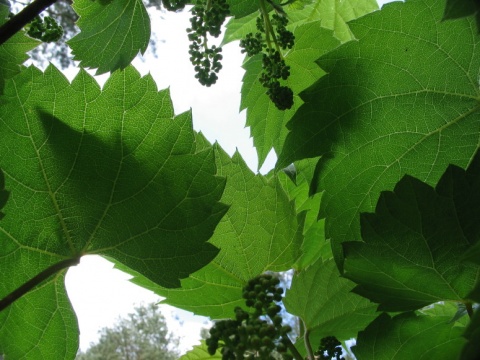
<point>403,99</point>
<point>110,172</point>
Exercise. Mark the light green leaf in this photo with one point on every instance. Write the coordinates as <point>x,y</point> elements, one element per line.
<point>325,303</point>
<point>13,52</point>
<point>314,243</point>
<point>403,99</point>
<point>408,336</point>
<point>109,172</point>
<point>267,123</point>
<point>334,14</point>
<point>260,232</point>
<point>241,8</point>
<point>112,33</point>
<point>414,242</point>
<point>237,29</point>
<point>199,352</point>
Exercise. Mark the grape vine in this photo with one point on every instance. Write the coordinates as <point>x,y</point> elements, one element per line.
<point>271,38</point>
<point>258,333</point>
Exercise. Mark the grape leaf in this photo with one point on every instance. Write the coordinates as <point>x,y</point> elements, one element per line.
<point>13,52</point>
<point>110,172</point>
<point>112,33</point>
<point>260,232</point>
<point>472,334</point>
<point>314,243</point>
<point>267,123</point>
<point>3,193</point>
<point>241,8</point>
<point>334,14</point>
<point>325,303</point>
<point>455,9</point>
<point>402,99</point>
<point>200,352</point>
<point>415,241</point>
<point>408,336</point>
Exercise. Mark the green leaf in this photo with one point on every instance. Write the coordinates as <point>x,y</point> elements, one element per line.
<point>314,243</point>
<point>109,172</point>
<point>241,8</point>
<point>325,303</point>
<point>403,99</point>
<point>408,336</point>
<point>112,33</point>
<point>41,323</point>
<point>3,193</point>
<point>472,334</point>
<point>414,242</point>
<point>199,352</point>
<point>331,14</point>
<point>267,123</point>
<point>455,9</point>
<point>334,14</point>
<point>260,232</point>
<point>13,52</point>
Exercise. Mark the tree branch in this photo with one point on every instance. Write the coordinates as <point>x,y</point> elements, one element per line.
<point>16,23</point>
<point>30,284</point>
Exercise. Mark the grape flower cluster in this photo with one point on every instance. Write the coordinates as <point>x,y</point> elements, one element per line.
<point>174,5</point>
<point>330,348</point>
<point>254,334</point>
<point>272,36</point>
<point>207,19</point>
<point>46,29</point>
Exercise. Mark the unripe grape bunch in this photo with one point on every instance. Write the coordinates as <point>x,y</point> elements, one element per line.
<point>257,333</point>
<point>270,39</point>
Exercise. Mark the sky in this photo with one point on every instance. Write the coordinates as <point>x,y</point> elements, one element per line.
<point>99,293</point>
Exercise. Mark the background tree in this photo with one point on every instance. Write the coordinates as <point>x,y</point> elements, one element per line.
<point>142,335</point>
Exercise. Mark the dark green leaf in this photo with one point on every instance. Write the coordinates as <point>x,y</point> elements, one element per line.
<point>109,172</point>
<point>472,334</point>
<point>408,336</point>
<point>260,232</point>
<point>456,9</point>
<point>412,254</point>
<point>403,99</point>
<point>3,193</point>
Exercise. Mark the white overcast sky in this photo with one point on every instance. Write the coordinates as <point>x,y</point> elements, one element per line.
<point>99,293</point>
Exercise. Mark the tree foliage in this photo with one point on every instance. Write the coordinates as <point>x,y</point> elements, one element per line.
<point>143,335</point>
<point>373,202</point>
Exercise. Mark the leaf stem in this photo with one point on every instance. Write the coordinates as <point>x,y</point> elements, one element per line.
<point>17,22</point>
<point>292,348</point>
<point>469,308</point>
<point>308,346</point>
<point>268,27</point>
<point>38,279</point>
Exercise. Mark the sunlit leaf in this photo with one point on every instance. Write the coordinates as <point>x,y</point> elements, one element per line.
<point>112,33</point>
<point>403,99</point>
<point>413,248</point>
<point>110,172</point>
<point>260,232</point>
<point>325,303</point>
